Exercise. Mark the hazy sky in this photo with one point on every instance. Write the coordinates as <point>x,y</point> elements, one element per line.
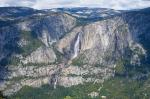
<point>45,4</point>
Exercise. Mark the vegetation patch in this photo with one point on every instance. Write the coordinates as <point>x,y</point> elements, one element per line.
<point>79,61</point>
<point>14,60</point>
<point>59,55</point>
<point>33,44</point>
<point>1,96</point>
<point>120,68</point>
<point>47,92</point>
<point>38,64</point>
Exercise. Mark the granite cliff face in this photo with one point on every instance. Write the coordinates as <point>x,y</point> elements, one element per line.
<point>103,42</point>
<point>58,48</point>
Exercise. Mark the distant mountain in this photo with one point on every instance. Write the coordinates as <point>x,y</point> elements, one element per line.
<point>17,11</point>
<point>88,12</point>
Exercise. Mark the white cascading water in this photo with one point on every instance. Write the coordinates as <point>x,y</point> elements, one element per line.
<point>55,83</point>
<point>76,46</point>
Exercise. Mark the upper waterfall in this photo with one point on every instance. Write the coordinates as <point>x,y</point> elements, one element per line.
<point>76,46</point>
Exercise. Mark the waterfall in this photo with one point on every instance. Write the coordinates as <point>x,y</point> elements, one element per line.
<point>55,83</point>
<point>76,46</point>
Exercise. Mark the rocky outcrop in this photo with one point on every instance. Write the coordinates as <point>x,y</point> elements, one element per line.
<point>49,27</point>
<point>65,76</point>
<point>93,94</point>
<point>41,55</point>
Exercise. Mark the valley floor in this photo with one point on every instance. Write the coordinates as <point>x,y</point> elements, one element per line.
<point>114,88</point>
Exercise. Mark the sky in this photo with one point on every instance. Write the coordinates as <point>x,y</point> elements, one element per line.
<point>46,4</point>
